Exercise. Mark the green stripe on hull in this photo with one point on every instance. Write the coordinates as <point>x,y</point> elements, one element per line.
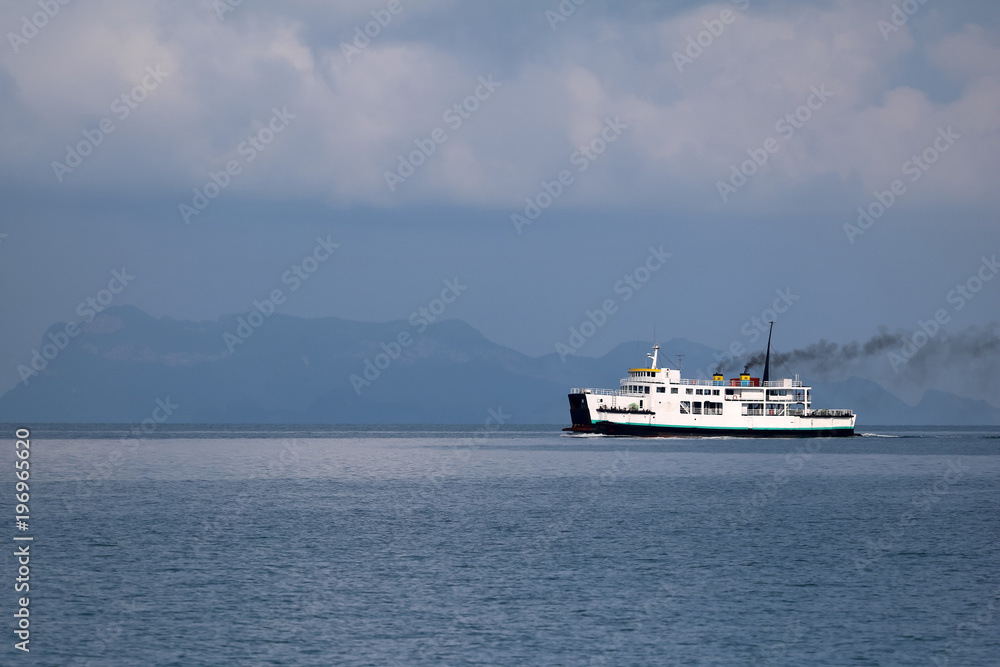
<point>633,429</point>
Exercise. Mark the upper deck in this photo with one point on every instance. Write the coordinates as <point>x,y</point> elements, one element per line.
<point>652,380</point>
<point>673,376</point>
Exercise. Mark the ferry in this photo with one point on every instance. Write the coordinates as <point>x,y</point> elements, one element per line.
<point>657,401</point>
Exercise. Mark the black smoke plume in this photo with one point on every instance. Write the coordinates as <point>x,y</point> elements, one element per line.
<point>971,348</point>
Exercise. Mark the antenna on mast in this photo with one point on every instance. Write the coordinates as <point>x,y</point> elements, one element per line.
<point>680,360</point>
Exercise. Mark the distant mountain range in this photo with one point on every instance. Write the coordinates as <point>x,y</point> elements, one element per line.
<point>125,366</point>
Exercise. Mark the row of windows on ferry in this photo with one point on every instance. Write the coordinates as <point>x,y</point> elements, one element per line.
<point>717,379</point>
<point>687,408</point>
<point>644,389</point>
<point>748,409</point>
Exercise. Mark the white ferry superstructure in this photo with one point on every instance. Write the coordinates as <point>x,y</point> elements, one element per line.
<point>657,401</point>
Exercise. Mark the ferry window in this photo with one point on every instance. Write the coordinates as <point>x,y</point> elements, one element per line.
<point>673,390</point>
<point>715,392</point>
<point>730,392</point>
<point>689,391</point>
<point>685,407</point>
<point>647,388</point>
<point>698,391</point>
<point>661,390</point>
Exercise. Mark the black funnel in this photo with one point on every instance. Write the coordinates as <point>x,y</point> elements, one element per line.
<point>767,356</point>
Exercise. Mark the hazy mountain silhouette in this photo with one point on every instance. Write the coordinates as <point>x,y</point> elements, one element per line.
<point>292,370</point>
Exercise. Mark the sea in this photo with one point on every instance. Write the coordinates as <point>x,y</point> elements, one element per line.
<point>502,545</point>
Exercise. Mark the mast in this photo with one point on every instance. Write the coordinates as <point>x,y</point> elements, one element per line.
<point>767,356</point>
<point>656,353</point>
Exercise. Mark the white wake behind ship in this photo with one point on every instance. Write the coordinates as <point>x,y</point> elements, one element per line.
<point>657,401</point>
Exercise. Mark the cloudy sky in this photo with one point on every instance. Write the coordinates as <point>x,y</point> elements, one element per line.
<point>534,151</point>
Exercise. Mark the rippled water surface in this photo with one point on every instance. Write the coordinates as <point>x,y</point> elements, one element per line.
<point>450,545</point>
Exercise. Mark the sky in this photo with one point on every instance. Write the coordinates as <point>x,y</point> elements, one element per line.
<point>829,165</point>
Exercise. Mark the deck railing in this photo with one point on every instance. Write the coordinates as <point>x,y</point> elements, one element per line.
<point>820,413</point>
<point>751,396</point>
<point>831,413</point>
<point>606,392</point>
<point>642,381</point>
<point>598,392</point>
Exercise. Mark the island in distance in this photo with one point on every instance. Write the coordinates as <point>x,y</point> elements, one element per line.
<point>295,370</point>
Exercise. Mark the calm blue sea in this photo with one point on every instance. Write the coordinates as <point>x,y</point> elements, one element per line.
<point>376,545</point>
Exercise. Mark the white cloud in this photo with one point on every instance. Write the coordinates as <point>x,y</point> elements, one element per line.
<point>687,128</point>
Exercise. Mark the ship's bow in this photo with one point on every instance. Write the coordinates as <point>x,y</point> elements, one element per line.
<point>579,413</point>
